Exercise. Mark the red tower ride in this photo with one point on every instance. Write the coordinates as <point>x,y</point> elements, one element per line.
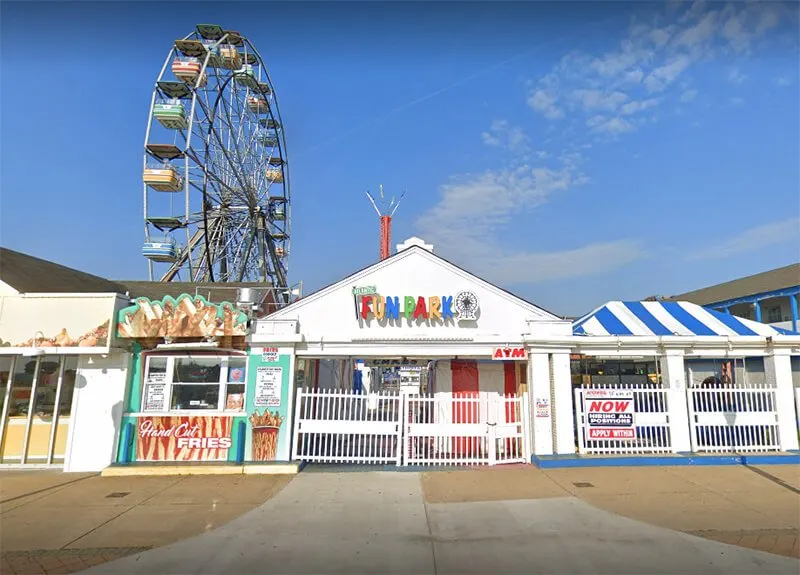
<point>385,217</point>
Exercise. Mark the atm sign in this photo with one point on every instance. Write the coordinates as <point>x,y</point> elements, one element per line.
<point>510,353</point>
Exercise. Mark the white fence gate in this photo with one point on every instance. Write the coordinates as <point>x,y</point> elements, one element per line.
<point>345,427</point>
<point>650,422</point>
<point>466,429</point>
<point>410,429</point>
<point>734,419</point>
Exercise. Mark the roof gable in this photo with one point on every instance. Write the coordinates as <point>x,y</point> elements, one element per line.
<point>410,254</point>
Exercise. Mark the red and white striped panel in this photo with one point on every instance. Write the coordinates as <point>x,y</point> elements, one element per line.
<point>470,376</point>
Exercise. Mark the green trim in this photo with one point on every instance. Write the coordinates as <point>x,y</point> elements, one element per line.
<point>134,395</point>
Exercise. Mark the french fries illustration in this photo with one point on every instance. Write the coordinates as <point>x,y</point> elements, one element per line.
<point>158,438</point>
<point>265,428</point>
<point>187,316</point>
<point>96,337</point>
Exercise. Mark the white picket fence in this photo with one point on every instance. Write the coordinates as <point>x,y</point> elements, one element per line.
<point>720,420</point>
<point>459,429</point>
<point>651,421</point>
<point>734,419</point>
<point>346,427</point>
<point>410,429</point>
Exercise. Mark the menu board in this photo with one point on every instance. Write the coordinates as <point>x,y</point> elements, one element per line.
<point>155,398</point>
<point>268,386</point>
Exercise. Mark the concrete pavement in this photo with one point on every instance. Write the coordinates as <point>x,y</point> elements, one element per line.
<point>379,522</point>
<point>53,522</point>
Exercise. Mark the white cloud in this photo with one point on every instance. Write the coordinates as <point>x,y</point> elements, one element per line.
<point>783,81</point>
<point>599,100</point>
<point>613,126</point>
<point>660,48</point>
<point>638,106</point>
<point>660,78</point>
<point>544,102</point>
<point>464,227</point>
<point>465,223</point>
<point>737,101</point>
<point>752,240</point>
<point>502,134</point>
<point>735,76</point>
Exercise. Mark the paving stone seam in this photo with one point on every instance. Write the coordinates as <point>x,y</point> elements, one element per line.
<point>104,523</point>
<point>88,551</point>
<point>721,494</point>
<point>38,491</point>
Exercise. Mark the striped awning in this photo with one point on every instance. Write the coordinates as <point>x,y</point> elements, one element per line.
<point>659,318</point>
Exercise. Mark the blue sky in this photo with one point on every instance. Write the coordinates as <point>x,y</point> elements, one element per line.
<point>573,153</point>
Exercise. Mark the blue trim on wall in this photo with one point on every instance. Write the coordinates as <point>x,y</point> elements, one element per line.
<point>557,461</point>
<point>793,304</point>
<point>794,290</point>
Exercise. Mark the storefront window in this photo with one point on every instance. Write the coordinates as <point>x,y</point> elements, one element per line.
<point>194,383</point>
<point>614,371</point>
<point>34,430</point>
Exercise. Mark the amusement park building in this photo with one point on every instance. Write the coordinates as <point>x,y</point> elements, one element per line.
<point>182,376</point>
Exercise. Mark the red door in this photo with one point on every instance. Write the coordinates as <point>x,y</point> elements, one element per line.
<point>510,388</point>
<point>465,385</point>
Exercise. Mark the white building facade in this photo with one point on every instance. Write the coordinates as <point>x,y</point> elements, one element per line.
<point>500,374</point>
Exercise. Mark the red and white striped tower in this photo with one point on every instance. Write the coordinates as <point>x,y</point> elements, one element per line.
<point>385,217</point>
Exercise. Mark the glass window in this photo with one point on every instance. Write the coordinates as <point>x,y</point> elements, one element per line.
<point>157,369</point>
<point>194,383</point>
<point>195,396</point>
<point>5,369</point>
<point>234,391</point>
<point>68,386</point>
<point>196,370</point>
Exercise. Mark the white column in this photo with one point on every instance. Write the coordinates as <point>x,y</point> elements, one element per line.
<point>563,400</point>
<point>778,372</point>
<point>673,377</point>
<point>540,403</point>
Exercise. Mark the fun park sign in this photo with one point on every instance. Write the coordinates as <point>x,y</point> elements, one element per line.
<point>370,304</point>
<point>609,414</point>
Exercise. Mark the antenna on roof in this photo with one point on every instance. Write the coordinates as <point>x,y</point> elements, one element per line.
<point>385,217</point>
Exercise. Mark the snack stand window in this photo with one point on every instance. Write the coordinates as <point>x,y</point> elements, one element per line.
<point>194,383</point>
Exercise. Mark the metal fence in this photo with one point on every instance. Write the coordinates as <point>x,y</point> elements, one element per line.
<point>410,429</point>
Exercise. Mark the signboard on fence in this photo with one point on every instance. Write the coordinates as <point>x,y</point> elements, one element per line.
<point>609,414</point>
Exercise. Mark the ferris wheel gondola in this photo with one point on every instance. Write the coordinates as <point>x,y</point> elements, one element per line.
<point>217,198</point>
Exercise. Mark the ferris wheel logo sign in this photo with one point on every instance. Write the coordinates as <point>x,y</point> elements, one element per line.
<point>466,304</point>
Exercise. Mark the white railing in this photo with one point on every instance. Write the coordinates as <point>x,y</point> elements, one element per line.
<point>734,419</point>
<point>466,429</point>
<point>346,427</point>
<point>409,429</point>
<point>649,432</point>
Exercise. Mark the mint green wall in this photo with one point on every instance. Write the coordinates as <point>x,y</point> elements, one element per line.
<point>284,433</point>
<point>134,387</point>
<point>133,401</point>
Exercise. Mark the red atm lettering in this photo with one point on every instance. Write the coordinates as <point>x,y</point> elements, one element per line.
<point>608,406</point>
<point>509,353</point>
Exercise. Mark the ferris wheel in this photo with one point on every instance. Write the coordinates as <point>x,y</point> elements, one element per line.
<point>216,179</point>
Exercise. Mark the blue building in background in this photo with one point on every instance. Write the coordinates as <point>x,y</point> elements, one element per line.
<point>769,297</point>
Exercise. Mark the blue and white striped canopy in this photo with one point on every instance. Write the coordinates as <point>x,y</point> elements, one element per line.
<point>658,318</point>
